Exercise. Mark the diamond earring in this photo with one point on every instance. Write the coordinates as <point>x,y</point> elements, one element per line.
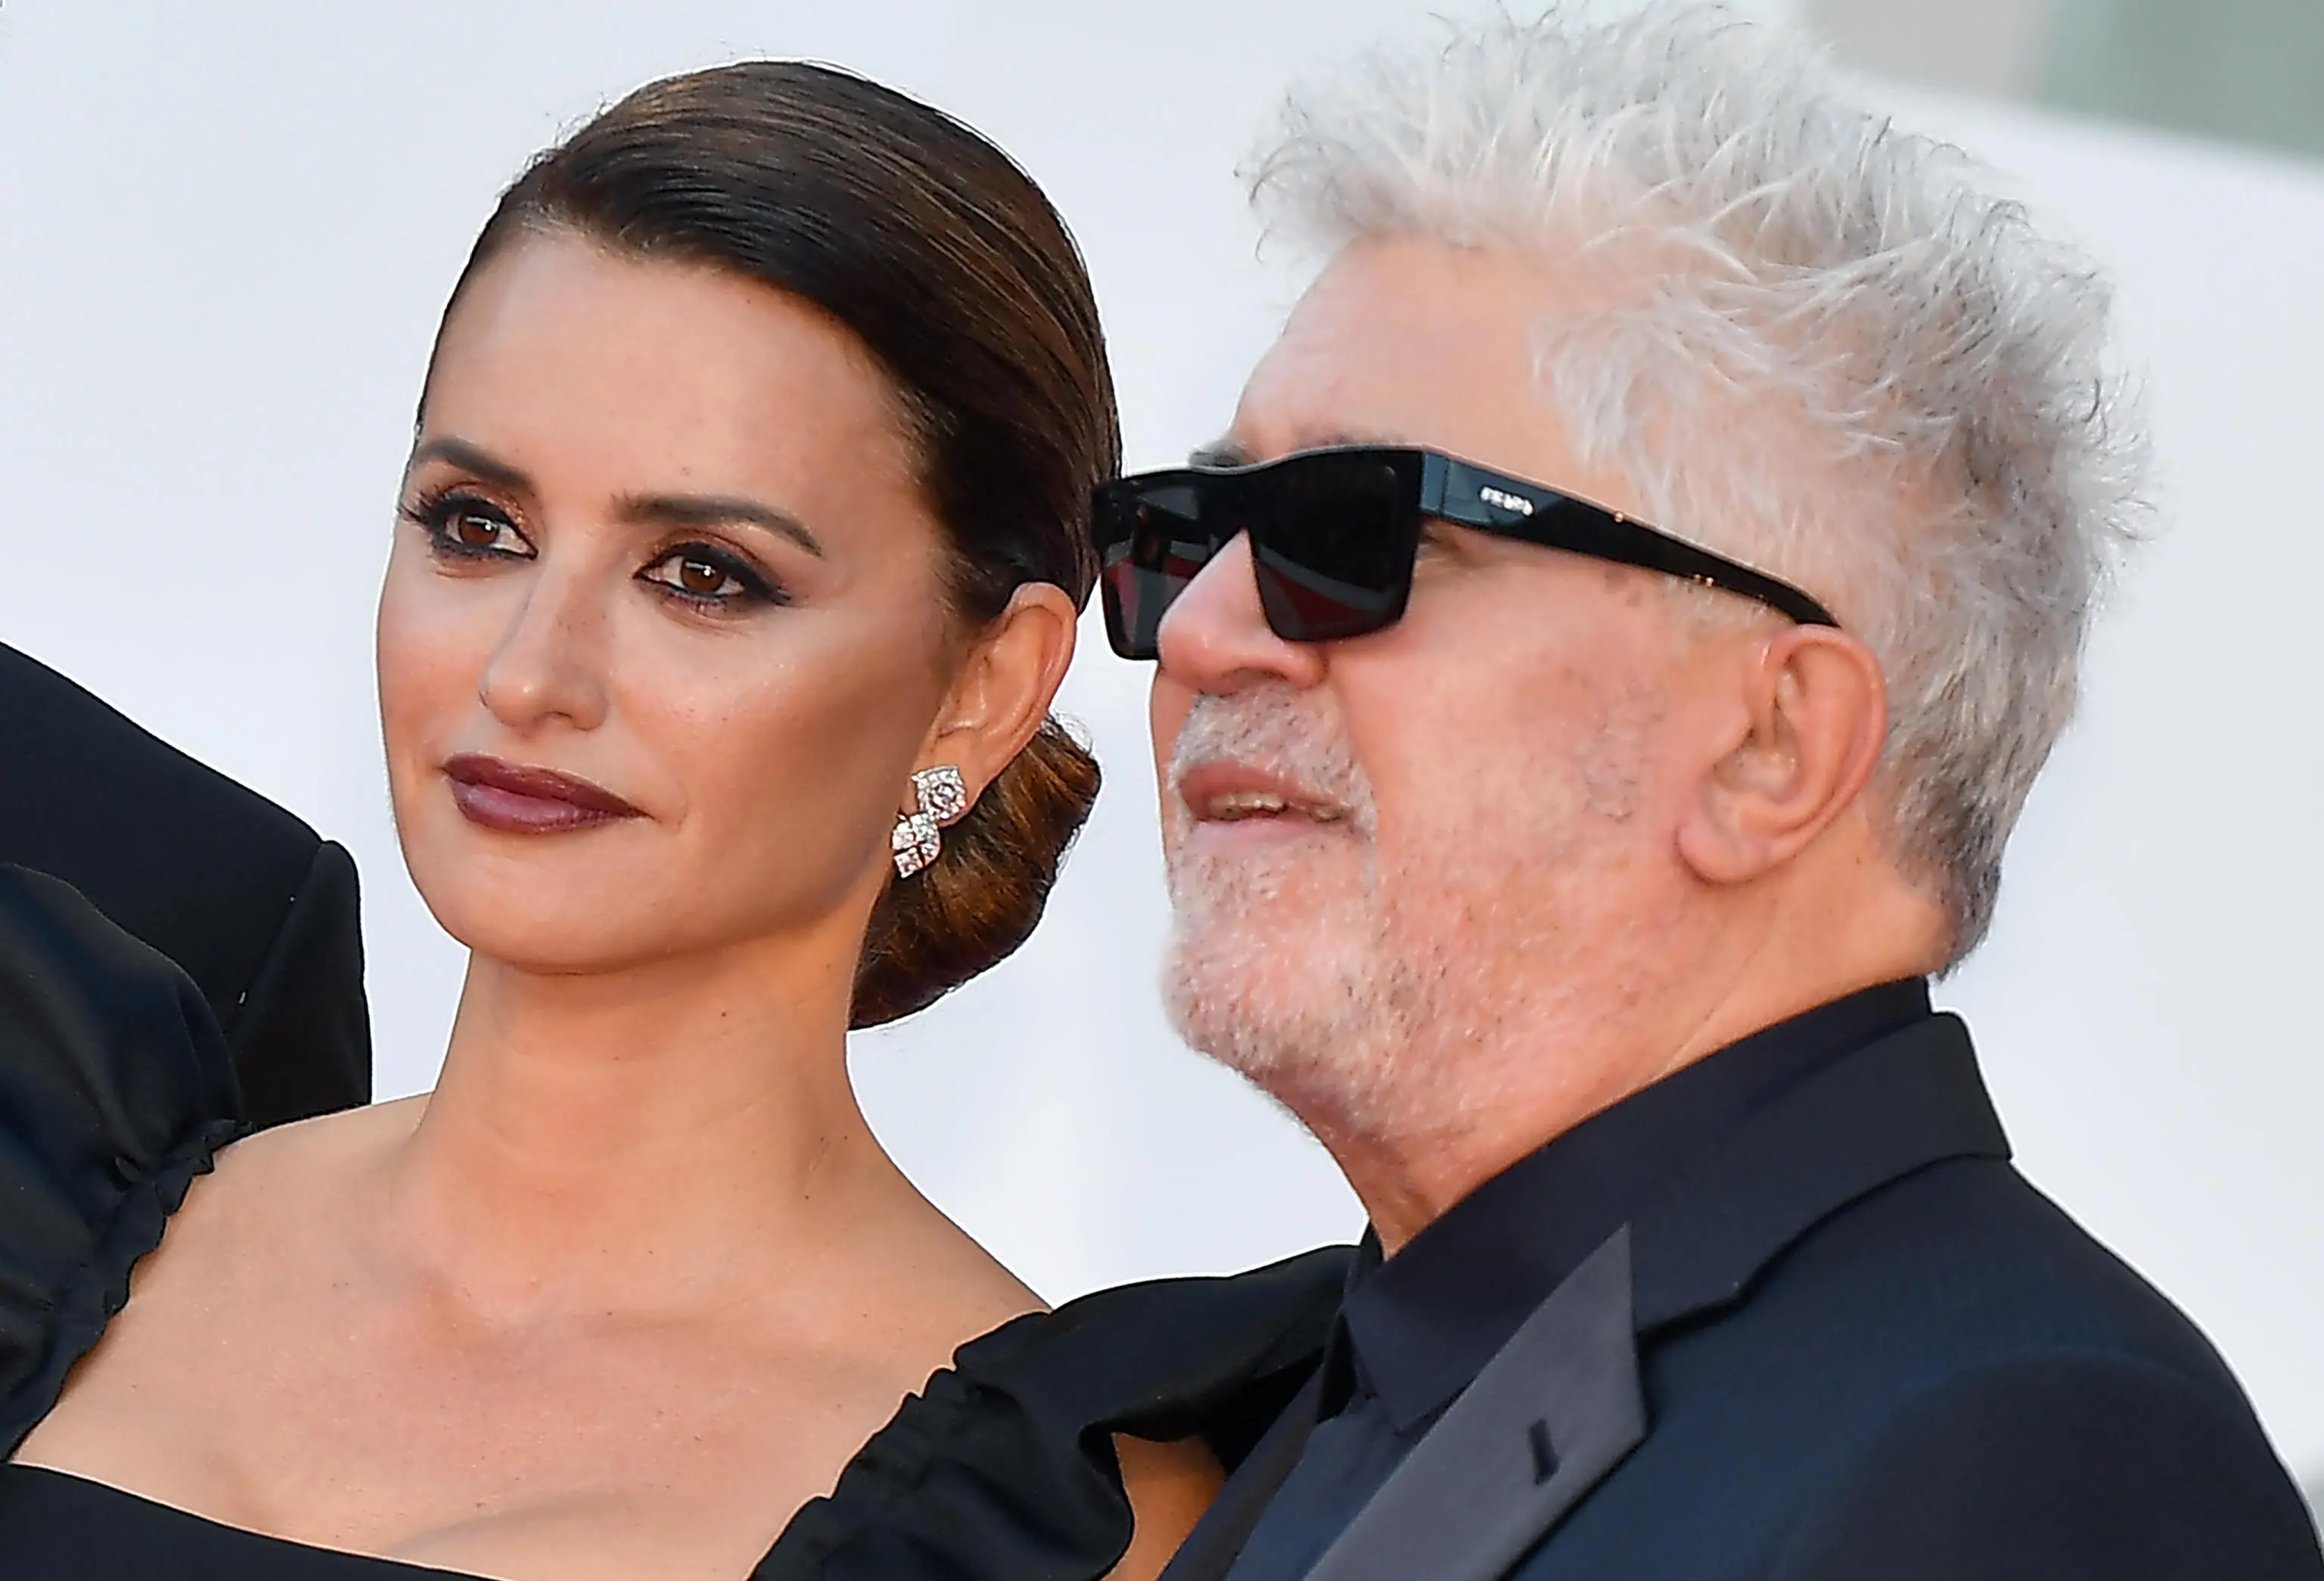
<point>940,797</point>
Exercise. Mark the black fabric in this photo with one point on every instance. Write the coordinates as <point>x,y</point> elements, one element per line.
<point>1022,1425</point>
<point>1869,1348</point>
<point>257,909</point>
<point>1557,1408</point>
<point>1423,1325</point>
<point>1992,1476</point>
<point>54,1526</point>
<point>1416,1328</point>
<point>301,1038</point>
<point>1226,1527</point>
<point>116,1089</point>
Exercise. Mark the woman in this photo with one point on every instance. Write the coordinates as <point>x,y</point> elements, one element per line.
<point>739,562</point>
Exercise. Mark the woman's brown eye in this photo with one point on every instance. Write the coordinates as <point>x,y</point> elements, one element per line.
<point>472,531</point>
<point>700,577</point>
<point>706,578</point>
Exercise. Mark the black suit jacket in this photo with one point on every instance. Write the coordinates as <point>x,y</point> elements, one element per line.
<point>1851,1345</point>
<point>256,907</point>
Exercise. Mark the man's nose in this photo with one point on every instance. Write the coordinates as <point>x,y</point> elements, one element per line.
<point>549,662</point>
<point>1215,638</point>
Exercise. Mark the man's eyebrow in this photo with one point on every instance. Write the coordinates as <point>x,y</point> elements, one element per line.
<point>1231,453</point>
<point>1341,438</point>
<point>715,510</point>
<point>469,457</point>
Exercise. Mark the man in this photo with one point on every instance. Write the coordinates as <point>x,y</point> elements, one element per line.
<point>1573,775</point>
<point>260,912</point>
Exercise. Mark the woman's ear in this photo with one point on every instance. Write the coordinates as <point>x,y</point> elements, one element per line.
<point>1006,683</point>
<point>1815,712</point>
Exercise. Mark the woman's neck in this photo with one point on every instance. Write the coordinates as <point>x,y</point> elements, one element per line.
<point>596,1140</point>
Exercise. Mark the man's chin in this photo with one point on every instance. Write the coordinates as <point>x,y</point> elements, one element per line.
<point>1336,1088</point>
<point>1282,1011</point>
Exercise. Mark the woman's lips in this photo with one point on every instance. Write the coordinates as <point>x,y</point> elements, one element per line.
<point>519,800</point>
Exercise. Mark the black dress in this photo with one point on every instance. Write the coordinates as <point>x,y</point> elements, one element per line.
<point>117,1088</point>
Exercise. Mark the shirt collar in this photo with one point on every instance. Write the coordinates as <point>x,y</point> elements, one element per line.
<point>1419,1326</point>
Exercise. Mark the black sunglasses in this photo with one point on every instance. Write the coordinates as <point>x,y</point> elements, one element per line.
<point>1333,533</point>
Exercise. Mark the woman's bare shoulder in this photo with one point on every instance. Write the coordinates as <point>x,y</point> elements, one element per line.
<point>932,1279</point>
<point>316,1150</point>
<point>927,1288</point>
<point>235,1279</point>
<point>281,1189</point>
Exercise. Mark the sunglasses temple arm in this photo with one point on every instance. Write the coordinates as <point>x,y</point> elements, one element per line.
<point>1470,496</point>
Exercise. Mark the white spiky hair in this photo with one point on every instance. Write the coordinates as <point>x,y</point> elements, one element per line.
<point>1802,273</point>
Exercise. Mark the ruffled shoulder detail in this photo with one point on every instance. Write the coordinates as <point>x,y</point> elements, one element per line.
<point>1003,1467</point>
<point>116,1089</point>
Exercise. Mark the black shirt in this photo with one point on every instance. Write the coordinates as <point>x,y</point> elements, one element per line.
<point>1416,1329</point>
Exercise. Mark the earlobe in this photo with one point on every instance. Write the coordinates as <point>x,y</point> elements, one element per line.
<point>1007,682</point>
<point>1815,715</point>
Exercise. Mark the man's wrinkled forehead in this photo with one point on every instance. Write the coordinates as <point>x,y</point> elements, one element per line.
<point>1405,340</point>
<point>1341,372</point>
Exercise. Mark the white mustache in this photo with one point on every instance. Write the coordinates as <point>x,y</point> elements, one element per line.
<point>1268,729</point>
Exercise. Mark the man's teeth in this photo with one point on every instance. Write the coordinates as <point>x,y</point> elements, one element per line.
<point>1238,805</point>
<point>1246,805</point>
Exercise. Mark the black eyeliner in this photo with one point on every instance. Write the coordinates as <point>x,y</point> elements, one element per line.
<point>757,586</point>
<point>433,510</point>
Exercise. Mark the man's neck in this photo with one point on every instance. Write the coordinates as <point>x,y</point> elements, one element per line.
<point>1561,1060</point>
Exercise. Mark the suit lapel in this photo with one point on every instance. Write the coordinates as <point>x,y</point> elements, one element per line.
<point>1556,1410</point>
<point>1560,1407</point>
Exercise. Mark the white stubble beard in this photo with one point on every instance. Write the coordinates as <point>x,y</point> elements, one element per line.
<point>1292,967</point>
<point>1391,996</point>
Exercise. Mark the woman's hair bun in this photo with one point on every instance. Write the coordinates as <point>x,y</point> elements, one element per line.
<point>969,908</point>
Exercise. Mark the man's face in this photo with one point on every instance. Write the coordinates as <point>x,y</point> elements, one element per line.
<point>1386,850</point>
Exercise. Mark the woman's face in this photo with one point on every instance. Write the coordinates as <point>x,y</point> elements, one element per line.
<point>663,634</point>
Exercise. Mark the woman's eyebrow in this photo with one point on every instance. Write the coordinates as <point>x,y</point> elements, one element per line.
<point>715,510</point>
<point>1219,453</point>
<point>647,509</point>
<point>468,457</point>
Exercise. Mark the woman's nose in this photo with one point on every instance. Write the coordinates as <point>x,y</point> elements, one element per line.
<point>549,662</point>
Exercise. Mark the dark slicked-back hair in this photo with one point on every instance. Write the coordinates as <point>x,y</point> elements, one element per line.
<point>947,262</point>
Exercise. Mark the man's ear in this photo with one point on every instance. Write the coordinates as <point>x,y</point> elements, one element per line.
<point>1814,719</point>
<point>1006,683</point>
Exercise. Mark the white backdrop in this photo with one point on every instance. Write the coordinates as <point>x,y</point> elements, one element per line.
<point>226,232</point>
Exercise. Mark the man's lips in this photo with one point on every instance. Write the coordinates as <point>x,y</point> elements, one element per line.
<point>1236,793</point>
<point>518,799</point>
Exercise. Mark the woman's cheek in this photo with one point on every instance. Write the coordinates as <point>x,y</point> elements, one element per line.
<point>432,646</point>
<point>403,660</point>
<point>419,670</point>
<point>816,778</point>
